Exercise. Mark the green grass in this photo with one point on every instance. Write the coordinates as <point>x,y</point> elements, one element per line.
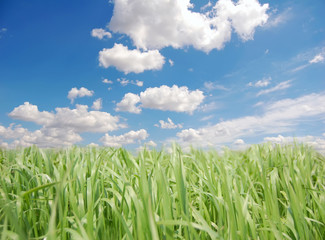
<point>264,192</point>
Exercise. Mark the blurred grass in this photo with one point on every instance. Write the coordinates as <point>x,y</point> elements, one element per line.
<point>265,192</point>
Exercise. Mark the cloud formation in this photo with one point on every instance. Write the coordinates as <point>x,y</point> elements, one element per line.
<point>278,87</point>
<point>82,92</point>
<point>100,33</point>
<point>124,82</point>
<point>261,83</point>
<point>60,128</point>
<point>44,137</point>
<point>107,81</point>
<point>177,99</point>
<point>161,23</point>
<point>127,138</point>
<point>279,117</point>
<point>314,56</point>
<point>97,104</point>
<point>168,125</point>
<point>128,104</point>
<point>78,119</point>
<point>127,61</point>
<point>318,58</point>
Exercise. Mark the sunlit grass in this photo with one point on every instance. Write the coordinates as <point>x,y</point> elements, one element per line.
<point>264,192</point>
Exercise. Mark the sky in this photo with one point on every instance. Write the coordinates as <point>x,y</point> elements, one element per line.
<point>136,73</point>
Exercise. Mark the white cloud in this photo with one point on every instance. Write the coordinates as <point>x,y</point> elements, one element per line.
<point>258,104</point>
<point>317,143</point>
<point>168,125</point>
<point>318,58</point>
<point>12,131</point>
<point>280,86</point>
<point>300,68</point>
<point>82,92</point>
<point>78,119</point>
<point>308,58</point>
<point>208,5</point>
<point>178,99</point>
<point>127,138</point>
<point>60,128</point>
<point>147,145</point>
<point>44,137</point>
<point>206,118</point>
<point>209,86</point>
<point>261,83</point>
<point>171,62</point>
<point>128,104</point>
<point>124,82</point>
<point>127,61</point>
<point>151,144</point>
<point>190,135</point>
<point>280,18</point>
<point>139,83</point>
<point>107,81</point>
<point>29,112</point>
<point>100,33</point>
<point>239,142</point>
<point>161,23</point>
<point>279,117</point>
<point>97,104</point>
<point>208,107</point>
<point>93,145</point>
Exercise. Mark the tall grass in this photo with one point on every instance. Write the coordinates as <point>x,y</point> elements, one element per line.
<point>265,192</point>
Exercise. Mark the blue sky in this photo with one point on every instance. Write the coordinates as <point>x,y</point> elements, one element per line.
<point>129,73</point>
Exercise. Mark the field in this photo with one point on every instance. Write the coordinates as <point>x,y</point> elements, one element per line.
<point>265,192</point>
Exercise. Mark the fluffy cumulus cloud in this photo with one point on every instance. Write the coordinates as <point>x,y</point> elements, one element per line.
<point>151,144</point>
<point>12,131</point>
<point>100,33</point>
<point>127,61</point>
<point>44,137</point>
<point>60,128</point>
<point>78,119</point>
<point>124,82</point>
<point>82,92</point>
<point>168,125</point>
<point>178,99</point>
<point>239,142</point>
<point>127,138</point>
<point>97,104</point>
<point>279,117</point>
<point>107,81</point>
<point>128,104</point>
<point>160,23</point>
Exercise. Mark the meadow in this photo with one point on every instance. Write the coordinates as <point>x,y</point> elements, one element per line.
<point>264,192</point>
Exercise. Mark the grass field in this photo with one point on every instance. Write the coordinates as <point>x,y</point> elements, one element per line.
<point>264,192</point>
